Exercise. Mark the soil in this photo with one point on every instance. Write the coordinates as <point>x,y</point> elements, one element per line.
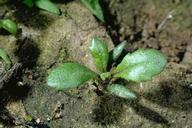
<point>46,40</point>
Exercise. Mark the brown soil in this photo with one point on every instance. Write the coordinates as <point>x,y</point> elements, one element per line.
<point>155,24</point>
<point>46,41</point>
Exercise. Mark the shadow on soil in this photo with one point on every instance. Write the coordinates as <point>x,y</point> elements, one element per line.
<point>172,94</point>
<point>30,17</point>
<point>27,54</point>
<point>111,22</point>
<point>110,110</point>
<point>11,92</point>
<point>150,114</point>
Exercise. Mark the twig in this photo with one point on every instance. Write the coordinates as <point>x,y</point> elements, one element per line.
<point>164,22</point>
<point>10,74</point>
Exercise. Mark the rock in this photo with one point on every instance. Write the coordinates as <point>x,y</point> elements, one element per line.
<point>187,59</point>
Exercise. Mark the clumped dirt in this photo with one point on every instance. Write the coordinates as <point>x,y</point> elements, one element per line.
<point>155,24</point>
<point>46,40</point>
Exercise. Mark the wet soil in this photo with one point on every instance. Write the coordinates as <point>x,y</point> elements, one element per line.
<point>46,40</point>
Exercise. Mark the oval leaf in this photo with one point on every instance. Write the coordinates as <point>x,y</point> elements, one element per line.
<point>48,6</point>
<point>69,75</point>
<point>99,52</point>
<point>141,65</point>
<point>116,52</point>
<point>121,91</point>
<point>5,57</point>
<point>9,25</point>
<point>94,7</point>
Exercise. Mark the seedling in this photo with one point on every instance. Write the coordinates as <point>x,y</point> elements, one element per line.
<point>9,26</point>
<point>138,66</point>
<point>94,7</point>
<point>43,4</point>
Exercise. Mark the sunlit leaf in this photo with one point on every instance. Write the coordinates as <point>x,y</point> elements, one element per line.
<point>116,52</point>
<point>48,6</point>
<point>121,91</point>
<point>141,65</point>
<point>69,75</point>
<point>99,52</point>
<point>94,7</point>
<point>9,25</point>
<point>4,56</point>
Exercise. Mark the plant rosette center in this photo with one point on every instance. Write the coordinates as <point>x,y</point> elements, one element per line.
<point>141,65</point>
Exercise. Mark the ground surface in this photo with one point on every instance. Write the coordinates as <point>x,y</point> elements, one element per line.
<point>47,40</point>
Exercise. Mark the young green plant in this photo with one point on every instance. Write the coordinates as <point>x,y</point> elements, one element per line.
<point>95,8</point>
<point>9,25</point>
<point>43,4</point>
<point>138,66</point>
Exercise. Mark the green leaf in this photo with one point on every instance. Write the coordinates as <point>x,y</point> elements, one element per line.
<point>121,91</point>
<point>48,6</point>
<point>94,7</point>
<point>69,75</point>
<point>9,25</point>
<point>99,52</point>
<point>28,118</point>
<point>141,65</point>
<point>116,52</point>
<point>105,75</point>
<point>28,3</point>
<point>5,57</point>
